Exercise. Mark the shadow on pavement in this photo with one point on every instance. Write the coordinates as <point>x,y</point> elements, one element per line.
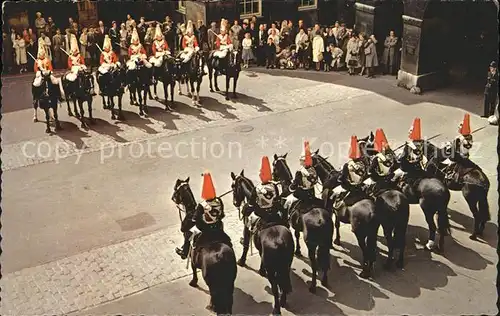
<point>186,109</point>
<point>104,127</point>
<point>133,119</point>
<point>72,133</point>
<point>254,102</point>
<point>467,97</point>
<point>165,116</point>
<point>213,104</point>
<point>490,230</point>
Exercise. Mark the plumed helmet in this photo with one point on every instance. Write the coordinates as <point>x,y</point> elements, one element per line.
<point>74,45</point>
<point>107,43</point>
<point>41,49</point>
<point>135,37</point>
<point>189,27</point>
<point>158,33</point>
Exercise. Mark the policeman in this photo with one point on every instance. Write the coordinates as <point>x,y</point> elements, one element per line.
<point>207,216</point>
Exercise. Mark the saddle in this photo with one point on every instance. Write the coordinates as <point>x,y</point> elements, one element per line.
<point>209,237</point>
<point>348,198</point>
<point>455,172</point>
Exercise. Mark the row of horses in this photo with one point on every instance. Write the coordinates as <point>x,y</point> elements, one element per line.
<point>365,213</point>
<point>138,82</point>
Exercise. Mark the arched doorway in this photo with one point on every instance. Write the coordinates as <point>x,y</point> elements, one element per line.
<point>459,38</point>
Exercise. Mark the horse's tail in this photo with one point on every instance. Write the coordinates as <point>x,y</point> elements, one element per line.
<point>397,204</point>
<point>483,205</point>
<point>277,257</point>
<point>318,230</point>
<point>220,277</point>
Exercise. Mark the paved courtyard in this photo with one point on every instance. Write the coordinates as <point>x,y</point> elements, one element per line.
<point>88,226</point>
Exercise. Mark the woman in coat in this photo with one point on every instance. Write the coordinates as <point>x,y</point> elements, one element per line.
<point>371,59</point>
<point>389,56</point>
<point>83,44</point>
<point>362,57</point>
<point>318,49</point>
<point>352,55</point>
<point>123,42</point>
<point>21,56</point>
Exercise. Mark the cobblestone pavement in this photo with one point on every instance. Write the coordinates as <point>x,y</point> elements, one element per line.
<point>111,272</point>
<point>275,98</point>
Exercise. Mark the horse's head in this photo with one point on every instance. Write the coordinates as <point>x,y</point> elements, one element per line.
<point>234,59</point>
<point>183,195</point>
<point>281,171</point>
<point>367,145</point>
<point>242,188</point>
<point>178,68</point>
<point>413,151</point>
<point>85,80</point>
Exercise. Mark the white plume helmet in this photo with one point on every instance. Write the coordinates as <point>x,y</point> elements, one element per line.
<point>135,36</point>
<point>158,33</point>
<point>74,44</point>
<point>107,43</point>
<point>189,27</point>
<point>41,48</point>
<point>223,26</point>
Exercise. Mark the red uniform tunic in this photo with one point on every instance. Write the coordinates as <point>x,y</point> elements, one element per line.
<point>227,41</point>
<point>131,51</point>
<point>185,42</point>
<point>45,62</point>
<point>112,54</point>
<point>164,46</point>
<point>70,62</point>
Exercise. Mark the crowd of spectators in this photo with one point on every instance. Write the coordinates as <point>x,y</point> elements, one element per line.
<point>276,45</point>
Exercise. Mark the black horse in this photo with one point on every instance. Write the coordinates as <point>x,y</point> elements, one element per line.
<point>213,255</point>
<point>112,84</point>
<point>46,96</point>
<point>315,222</point>
<point>80,91</point>
<point>138,81</point>
<point>465,176</point>
<point>166,74</point>
<point>359,210</point>
<point>190,73</point>
<point>393,211</point>
<point>273,241</point>
<point>230,66</point>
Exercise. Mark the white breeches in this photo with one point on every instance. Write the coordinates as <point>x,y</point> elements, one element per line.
<point>157,60</point>
<point>187,54</point>
<point>131,63</point>
<point>105,67</point>
<point>195,232</point>
<point>38,79</point>
<point>222,52</point>
<point>252,220</point>
<point>289,201</point>
<point>398,173</point>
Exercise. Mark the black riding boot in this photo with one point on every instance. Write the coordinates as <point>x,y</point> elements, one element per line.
<point>184,251</point>
<point>245,241</point>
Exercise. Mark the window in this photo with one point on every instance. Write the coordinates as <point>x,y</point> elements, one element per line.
<point>248,8</point>
<point>181,6</point>
<point>308,5</point>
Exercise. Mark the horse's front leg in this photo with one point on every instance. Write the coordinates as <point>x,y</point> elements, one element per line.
<point>198,86</point>
<point>56,116</point>
<point>47,120</point>
<point>82,113</point>
<point>194,280</point>
<point>179,88</point>
<point>235,82</point>
<point>145,100</point>
<point>216,74</point>
<point>112,107</point>
<point>227,86</point>
<point>172,87</point>
<point>120,113</point>
<point>70,113</point>
<point>210,75</point>
<point>155,84</point>
<point>193,96</point>
<point>297,240</point>
<point>89,107</point>
<point>35,110</point>
<point>141,107</point>
<point>75,107</point>
<point>429,218</point>
<point>337,230</point>
<point>104,105</point>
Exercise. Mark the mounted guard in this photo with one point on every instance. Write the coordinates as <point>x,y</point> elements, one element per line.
<point>108,60</point>
<point>189,44</point>
<point>136,52</point>
<point>43,65</point>
<point>303,183</point>
<point>207,216</point>
<point>223,42</point>
<point>384,163</point>
<point>413,162</point>
<point>160,48</point>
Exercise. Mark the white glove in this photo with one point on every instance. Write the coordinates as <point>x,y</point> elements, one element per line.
<point>196,49</point>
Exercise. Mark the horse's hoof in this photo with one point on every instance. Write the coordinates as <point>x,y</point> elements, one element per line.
<point>113,117</point>
<point>193,283</point>
<point>48,131</point>
<point>212,90</point>
<point>35,120</point>
<point>430,245</point>
<point>141,113</point>
<point>298,253</point>
<point>210,307</point>
<point>364,274</point>
<point>276,311</point>
<point>241,263</point>
<point>70,114</point>
<point>312,289</point>
<point>227,98</point>
<point>156,98</point>
<point>336,242</point>
<point>262,273</point>
<point>473,237</point>
<point>217,89</point>
<point>399,264</point>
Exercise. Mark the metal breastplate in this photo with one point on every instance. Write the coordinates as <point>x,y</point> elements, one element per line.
<point>189,42</point>
<point>212,211</point>
<point>42,64</point>
<point>309,177</point>
<point>265,195</point>
<point>223,40</point>
<point>136,49</point>
<point>159,46</point>
<point>384,165</point>
<point>75,60</point>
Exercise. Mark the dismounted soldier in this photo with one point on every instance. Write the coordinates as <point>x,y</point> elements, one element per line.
<point>304,181</point>
<point>136,52</point>
<point>108,60</point>
<point>159,48</point>
<point>189,43</point>
<point>223,41</point>
<point>207,216</point>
